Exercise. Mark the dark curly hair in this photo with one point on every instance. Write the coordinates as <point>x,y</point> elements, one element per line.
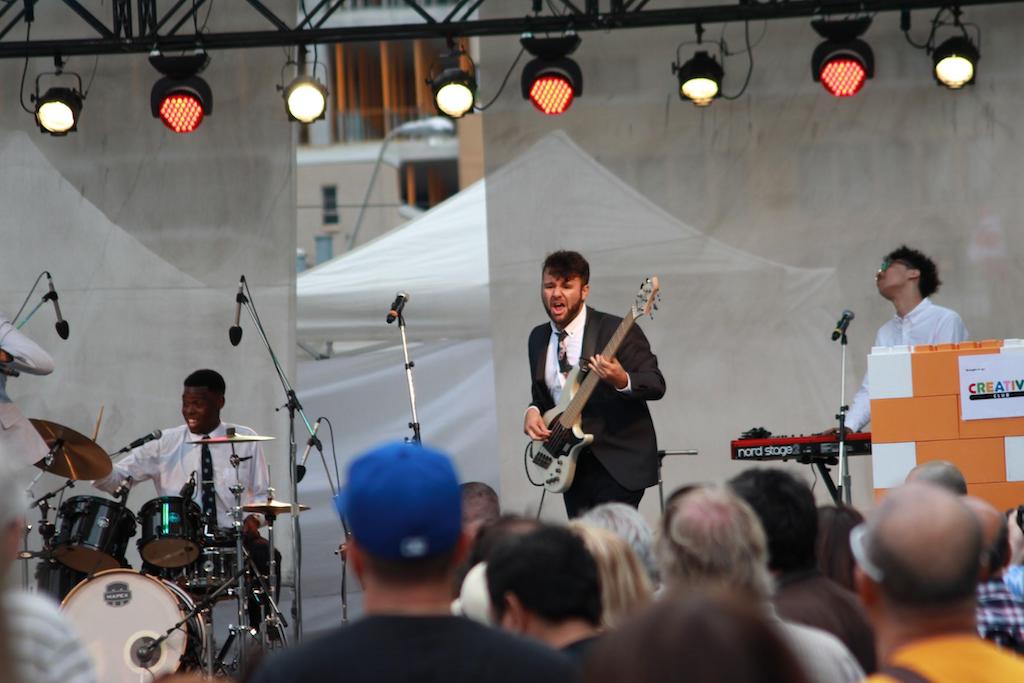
<point>929,282</point>
<point>566,264</point>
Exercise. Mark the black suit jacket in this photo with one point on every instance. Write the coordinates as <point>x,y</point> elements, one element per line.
<point>624,438</point>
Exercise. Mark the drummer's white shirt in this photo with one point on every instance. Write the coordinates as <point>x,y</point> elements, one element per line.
<point>169,461</point>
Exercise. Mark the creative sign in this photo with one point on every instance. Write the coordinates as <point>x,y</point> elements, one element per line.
<point>991,386</point>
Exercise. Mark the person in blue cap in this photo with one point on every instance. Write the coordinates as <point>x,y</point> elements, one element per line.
<point>403,506</point>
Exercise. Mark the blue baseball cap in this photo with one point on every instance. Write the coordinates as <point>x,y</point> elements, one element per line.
<point>402,501</point>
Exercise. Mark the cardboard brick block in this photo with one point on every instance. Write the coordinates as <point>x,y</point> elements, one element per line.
<point>980,460</point>
<point>925,418</point>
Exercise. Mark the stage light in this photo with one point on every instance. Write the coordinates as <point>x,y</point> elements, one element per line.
<point>551,81</point>
<point>454,86</point>
<point>843,62</point>
<point>700,79</point>
<point>181,99</point>
<point>57,110</point>
<point>955,62</point>
<point>305,99</point>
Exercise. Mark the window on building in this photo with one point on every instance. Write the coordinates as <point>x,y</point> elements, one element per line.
<point>329,194</point>
<point>426,184</point>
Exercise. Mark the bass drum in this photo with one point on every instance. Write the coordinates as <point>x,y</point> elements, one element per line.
<point>119,612</point>
<point>55,579</point>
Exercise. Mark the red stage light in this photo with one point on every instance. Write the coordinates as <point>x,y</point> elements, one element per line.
<point>552,94</point>
<point>843,76</point>
<point>181,112</point>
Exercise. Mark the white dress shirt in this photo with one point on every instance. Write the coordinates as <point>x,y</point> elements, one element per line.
<point>553,376</point>
<point>169,461</point>
<point>20,443</point>
<point>926,324</point>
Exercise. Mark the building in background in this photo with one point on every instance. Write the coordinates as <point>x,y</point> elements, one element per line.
<point>374,88</point>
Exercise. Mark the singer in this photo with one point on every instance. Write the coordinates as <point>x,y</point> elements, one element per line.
<point>907,278</point>
<point>169,460</point>
<point>20,443</point>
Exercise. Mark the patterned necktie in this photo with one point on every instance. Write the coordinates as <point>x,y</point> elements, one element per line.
<point>563,353</point>
<point>209,494</point>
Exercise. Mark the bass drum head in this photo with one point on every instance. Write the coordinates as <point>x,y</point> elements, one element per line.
<point>117,612</point>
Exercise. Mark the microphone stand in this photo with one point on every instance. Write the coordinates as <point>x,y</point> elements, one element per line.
<point>415,424</point>
<point>844,465</point>
<point>294,407</point>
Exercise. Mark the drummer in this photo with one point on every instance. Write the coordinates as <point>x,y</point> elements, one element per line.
<point>20,444</point>
<point>171,460</point>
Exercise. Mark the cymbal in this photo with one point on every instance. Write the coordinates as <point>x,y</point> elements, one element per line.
<point>233,437</point>
<point>76,456</point>
<point>272,507</point>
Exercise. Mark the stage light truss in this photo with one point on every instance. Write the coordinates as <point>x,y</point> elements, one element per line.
<point>137,26</point>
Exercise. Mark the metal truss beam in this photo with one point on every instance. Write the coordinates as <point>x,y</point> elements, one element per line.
<point>150,32</point>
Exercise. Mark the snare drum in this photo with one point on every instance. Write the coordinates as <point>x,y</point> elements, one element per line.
<point>170,531</point>
<point>216,564</point>
<point>93,534</point>
<point>119,612</point>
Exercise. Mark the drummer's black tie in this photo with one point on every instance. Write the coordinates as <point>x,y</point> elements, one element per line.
<point>209,494</point>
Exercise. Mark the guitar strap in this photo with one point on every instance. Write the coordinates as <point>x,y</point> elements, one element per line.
<point>589,347</point>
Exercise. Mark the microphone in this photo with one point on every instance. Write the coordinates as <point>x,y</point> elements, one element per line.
<point>122,490</point>
<point>300,469</point>
<point>189,489</point>
<point>843,323</point>
<point>62,324</point>
<point>397,305</point>
<point>235,332</point>
<point>155,434</point>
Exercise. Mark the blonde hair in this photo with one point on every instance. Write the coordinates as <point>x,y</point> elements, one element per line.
<point>625,585</point>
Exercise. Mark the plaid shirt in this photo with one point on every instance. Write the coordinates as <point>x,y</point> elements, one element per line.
<point>1000,615</point>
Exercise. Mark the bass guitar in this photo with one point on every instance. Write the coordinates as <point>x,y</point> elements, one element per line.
<point>551,463</point>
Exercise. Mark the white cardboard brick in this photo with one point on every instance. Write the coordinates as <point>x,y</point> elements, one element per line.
<point>892,462</point>
<point>889,372</point>
<point>1014,448</point>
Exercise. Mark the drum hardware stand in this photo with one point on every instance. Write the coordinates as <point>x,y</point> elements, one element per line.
<point>845,483</point>
<point>236,513</point>
<point>46,529</point>
<point>294,407</point>
<point>146,647</point>
<point>661,457</point>
<point>409,365</point>
<point>275,619</point>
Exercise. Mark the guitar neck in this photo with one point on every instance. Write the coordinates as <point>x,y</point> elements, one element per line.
<point>580,398</point>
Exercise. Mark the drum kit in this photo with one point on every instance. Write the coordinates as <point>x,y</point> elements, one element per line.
<point>139,625</point>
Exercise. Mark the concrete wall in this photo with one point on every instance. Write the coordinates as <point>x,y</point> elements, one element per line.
<point>788,173</point>
<point>146,234</point>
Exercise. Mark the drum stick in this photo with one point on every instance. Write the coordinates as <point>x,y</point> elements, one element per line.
<point>99,419</point>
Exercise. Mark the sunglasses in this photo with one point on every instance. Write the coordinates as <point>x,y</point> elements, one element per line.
<point>888,262</point>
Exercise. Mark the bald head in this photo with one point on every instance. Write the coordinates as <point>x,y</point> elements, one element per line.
<point>940,473</point>
<point>927,544</point>
<point>995,537</point>
<point>711,537</point>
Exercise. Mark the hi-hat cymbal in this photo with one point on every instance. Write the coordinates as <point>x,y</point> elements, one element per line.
<point>233,437</point>
<point>75,455</point>
<point>272,507</point>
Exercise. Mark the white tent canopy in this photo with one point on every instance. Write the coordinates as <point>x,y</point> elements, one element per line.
<point>440,259</point>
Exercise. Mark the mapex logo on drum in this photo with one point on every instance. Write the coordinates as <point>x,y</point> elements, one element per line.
<point>103,522</point>
<point>117,594</point>
<point>765,451</point>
